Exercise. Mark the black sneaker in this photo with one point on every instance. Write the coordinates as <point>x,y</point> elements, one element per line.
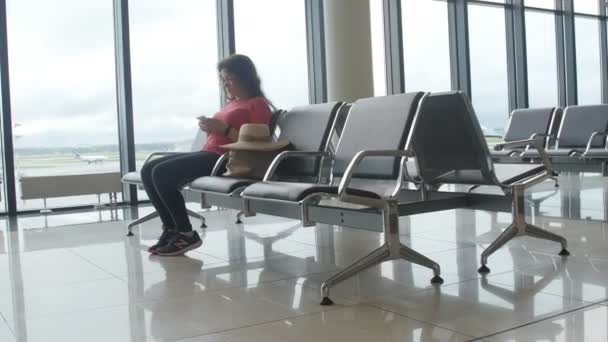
<point>179,244</point>
<point>163,240</point>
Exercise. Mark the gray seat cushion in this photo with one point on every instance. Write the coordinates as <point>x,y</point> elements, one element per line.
<point>295,192</point>
<point>510,173</point>
<point>598,153</point>
<point>132,178</point>
<point>564,152</point>
<point>505,153</point>
<point>224,185</point>
<point>505,173</point>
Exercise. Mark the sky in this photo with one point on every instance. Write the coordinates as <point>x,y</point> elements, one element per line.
<point>62,66</point>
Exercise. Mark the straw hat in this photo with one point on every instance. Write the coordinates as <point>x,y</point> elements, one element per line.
<point>256,137</point>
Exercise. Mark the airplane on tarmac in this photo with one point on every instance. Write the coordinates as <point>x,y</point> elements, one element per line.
<point>90,159</point>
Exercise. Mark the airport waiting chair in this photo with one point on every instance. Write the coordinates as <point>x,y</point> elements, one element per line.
<point>369,160</point>
<point>307,128</point>
<point>457,153</point>
<point>582,131</point>
<point>134,178</point>
<point>529,123</point>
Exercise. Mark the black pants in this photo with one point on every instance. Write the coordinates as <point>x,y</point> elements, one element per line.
<point>164,178</point>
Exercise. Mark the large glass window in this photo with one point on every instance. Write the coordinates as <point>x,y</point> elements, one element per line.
<point>587,6</point>
<point>489,82</point>
<point>549,4</point>
<point>173,58</point>
<point>588,72</point>
<point>378,56</point>
<point>277,45</point>
<point>426,45</point>
<point>542,59</point>
<point>63,94</point>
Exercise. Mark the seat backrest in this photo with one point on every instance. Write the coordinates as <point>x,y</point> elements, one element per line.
<point>579,122</point>
<point>307,128</point>
<point>525,122</point>
<point>447,140</point>
<point>375,123</point>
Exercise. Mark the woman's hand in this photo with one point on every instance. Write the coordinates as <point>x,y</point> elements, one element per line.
<point>212,125</point>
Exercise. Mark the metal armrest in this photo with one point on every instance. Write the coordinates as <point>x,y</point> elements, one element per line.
<point>218,164</point>
<point>354,163</point>
<point>158,154</point>
<point>593,136</point>
<point>543,135</point>
<point>289,154</point>
<point>529,142</point>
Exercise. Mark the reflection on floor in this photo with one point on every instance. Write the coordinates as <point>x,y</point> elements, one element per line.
<point>76,277</point>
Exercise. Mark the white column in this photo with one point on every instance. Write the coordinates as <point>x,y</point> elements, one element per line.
<point>348,49</point>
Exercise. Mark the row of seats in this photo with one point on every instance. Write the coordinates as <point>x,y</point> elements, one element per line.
<point>366,153</point>
<point>576,134</point>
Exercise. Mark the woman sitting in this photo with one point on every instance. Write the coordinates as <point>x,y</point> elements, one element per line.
<point>163,178</point>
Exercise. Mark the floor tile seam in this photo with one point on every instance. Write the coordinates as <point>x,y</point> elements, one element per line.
<point>371,305</point>
<point>87,260</point>
<point>557,295</point>
<point>75,283</point>
<point>180,339</point>
<point>62,315</point>
<point>262,258</point>
<point>536,321</point>
<point>29,227</point>
<point>294,316</point>
<point>139,303</point>
<point>586,304</point>
<point>315,245</point>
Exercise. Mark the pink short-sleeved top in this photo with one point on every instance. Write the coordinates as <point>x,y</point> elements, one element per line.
<point>235,114</point>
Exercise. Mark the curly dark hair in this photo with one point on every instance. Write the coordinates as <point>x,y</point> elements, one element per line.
<point>244,70</point>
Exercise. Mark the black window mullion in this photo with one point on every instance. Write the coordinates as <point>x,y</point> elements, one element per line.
<point>126,135</point>
<point>8,164</point>
<point>315,42</point>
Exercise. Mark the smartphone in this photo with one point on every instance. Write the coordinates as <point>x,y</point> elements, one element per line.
<point>202,118</point>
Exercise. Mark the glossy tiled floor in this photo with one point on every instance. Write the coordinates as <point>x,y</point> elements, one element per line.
<point>76,277</point>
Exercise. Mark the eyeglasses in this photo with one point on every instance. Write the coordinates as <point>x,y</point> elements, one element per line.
<point>227,80</point>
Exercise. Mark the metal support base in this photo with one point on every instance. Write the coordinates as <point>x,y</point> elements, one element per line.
<point>239,217</point>
<point>390,250</point>
<point>140,221</point>
<point>155,215</point>
<point>554,178</point>
<point>520,227</point>
<point>198,216</point>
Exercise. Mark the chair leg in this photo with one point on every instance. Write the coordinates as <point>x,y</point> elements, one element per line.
<point>198,216</point>
<point>375,257</point>
<point>554,178</point>
<point>414,257</point>
<point>540,233</point>
<point>500,241</point>
<point>140,221</point>
<point>520,227</point>
<point>391,249</point>
<point>239,217</point>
